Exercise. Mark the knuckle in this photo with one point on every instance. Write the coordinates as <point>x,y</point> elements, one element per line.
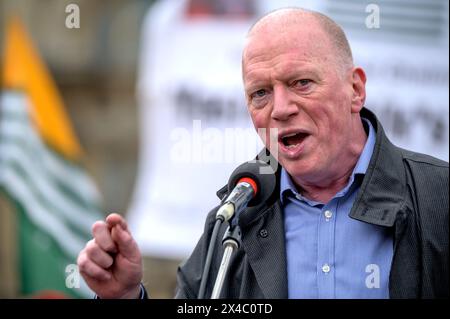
<point>82,261</point>
<point>88,244</point>
<point>97,226</point>
<point>92,248</point>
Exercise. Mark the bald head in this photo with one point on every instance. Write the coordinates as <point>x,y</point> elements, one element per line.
<point>283,20</point>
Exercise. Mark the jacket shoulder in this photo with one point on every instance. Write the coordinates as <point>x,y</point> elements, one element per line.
<point>420,159</point>
<point>428,176</point>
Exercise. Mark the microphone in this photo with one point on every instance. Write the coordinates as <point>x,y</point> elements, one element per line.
<point>245,189</point>
<point>249,185</point>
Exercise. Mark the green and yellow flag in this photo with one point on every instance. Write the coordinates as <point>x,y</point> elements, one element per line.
<point>41,173</point>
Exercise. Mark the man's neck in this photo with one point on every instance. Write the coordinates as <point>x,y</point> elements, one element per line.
<point>325,189</point>
<point>323,194</point>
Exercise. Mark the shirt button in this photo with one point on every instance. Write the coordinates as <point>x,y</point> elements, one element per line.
<point>328,214</point>
<point>326,268</point>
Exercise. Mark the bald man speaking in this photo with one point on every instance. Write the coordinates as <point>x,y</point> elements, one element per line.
<point>352,215</point>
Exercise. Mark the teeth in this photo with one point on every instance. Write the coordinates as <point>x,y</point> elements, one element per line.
<point>295,140</point>
<point>289,135</point>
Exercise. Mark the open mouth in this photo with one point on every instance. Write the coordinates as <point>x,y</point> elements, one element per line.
<point>292,143</point>
<point>292,140</point>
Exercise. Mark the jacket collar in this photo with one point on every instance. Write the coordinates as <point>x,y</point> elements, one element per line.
<point>382,192</point>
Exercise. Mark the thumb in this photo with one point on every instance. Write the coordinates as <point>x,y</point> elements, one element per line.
<point>125,243</point>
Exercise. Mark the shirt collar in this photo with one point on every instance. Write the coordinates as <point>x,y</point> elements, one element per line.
<point>287,185</point>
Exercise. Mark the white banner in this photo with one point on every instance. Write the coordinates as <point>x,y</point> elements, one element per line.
<point>195,128</point>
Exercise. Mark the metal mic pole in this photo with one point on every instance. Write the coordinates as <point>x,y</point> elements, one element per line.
<point>231,242</point>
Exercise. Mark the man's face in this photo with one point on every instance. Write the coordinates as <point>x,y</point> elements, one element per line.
<point>293,83</point>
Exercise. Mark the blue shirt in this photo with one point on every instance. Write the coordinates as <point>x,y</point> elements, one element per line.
<point>330,255</point>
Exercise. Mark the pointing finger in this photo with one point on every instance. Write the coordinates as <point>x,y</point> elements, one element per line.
<point>125,243</point>
<point>115,219</point>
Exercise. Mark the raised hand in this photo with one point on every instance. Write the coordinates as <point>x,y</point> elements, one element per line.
<point>111,263</point>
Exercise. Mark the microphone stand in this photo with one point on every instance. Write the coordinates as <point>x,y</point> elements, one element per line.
<point>231,242</point>
<point>245,180</point>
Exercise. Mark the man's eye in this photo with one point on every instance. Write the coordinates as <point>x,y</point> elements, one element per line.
<point>259,93</point>
<point>302,82</point>
<point>259,98</point>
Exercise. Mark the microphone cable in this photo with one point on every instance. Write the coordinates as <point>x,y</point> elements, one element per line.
<point>205,275</point>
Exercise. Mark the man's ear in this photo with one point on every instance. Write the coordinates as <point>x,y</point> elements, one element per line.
<point>359,89</point>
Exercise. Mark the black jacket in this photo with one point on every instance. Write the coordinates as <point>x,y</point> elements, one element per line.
<point>402,190</point>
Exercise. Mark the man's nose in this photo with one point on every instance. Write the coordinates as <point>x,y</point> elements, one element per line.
<point>283,105</point>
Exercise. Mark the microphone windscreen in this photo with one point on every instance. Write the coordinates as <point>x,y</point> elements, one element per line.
<point>261,173</point>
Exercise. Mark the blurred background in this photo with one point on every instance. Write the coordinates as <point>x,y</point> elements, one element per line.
<point>137,107</point>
